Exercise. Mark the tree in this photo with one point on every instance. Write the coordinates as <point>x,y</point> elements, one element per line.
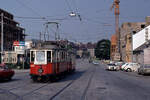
<point>102,50</point>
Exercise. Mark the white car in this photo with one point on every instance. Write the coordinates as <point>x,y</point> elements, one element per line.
<point>112,67</point>
<point>132,67</point>
<point>95,62</point>
<point>123,66</point>
<point>119,64</point>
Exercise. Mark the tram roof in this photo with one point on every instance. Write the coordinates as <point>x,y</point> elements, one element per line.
<point>50,45</point>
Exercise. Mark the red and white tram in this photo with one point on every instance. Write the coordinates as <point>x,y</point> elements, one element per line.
<point>47,63</point>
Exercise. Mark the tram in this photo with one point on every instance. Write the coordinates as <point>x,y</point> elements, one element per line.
<point>50,61</point>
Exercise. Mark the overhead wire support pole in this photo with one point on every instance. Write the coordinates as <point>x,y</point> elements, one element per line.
<point>2,36</point>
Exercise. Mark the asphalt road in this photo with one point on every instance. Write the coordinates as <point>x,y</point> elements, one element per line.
<point>89,82</point>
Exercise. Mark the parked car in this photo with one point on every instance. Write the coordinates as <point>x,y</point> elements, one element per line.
<point>119,64</point>
<point>132,67</point>
<point>111,62</point>
<point>144,69</point>
<point>5,72</point>
<point>95,62</point>
<point>112,67</point>
<point>123,66</point>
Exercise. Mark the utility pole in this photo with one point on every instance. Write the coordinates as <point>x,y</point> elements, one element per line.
<point>2,33</point>
<point>40,36</point>
<point>117,12</point>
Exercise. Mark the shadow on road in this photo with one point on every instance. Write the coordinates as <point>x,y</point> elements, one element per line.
<point>74,76</point>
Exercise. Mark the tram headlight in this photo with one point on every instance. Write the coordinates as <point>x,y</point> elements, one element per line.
<point>40,70</point>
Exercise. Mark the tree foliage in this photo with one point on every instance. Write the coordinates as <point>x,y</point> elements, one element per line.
<point>102,50</point>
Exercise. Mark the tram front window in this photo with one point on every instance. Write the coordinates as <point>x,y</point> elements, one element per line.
<point>40,57</point>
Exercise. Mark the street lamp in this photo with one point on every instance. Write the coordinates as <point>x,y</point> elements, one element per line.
<point>72,14</point>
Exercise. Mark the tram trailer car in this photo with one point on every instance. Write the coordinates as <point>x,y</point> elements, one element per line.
<point>45,64</point>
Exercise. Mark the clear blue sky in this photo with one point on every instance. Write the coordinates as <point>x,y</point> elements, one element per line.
<point>97,19</point>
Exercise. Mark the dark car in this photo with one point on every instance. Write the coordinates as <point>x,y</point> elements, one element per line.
<point>144,69</point>
<point>5,72</point>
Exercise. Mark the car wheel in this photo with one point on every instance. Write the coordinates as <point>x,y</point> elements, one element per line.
<point>139,72</point>
<point>129,70</point>
<point>9,78</point>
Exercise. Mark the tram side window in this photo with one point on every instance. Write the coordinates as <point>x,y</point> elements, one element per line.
<point>53,56</point>
<point>49,56</point>
<point>32,56</point>
<point>62,56</point>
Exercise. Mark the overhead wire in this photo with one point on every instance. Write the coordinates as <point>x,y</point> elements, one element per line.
<point>76,7</point>
<point>68,5</point>
<point>44,18</point>
<point>77,10</point>
<point>93,21</point>
<point>30,9</point>
<point>21,17</point>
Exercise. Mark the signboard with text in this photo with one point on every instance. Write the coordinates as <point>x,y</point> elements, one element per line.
<point>19,47</point>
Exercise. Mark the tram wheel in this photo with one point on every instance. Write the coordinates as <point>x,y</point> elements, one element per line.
<point>45,79</point>
<point>34,79</point>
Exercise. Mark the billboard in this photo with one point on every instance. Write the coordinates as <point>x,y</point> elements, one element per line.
<point>141,37</point>
<point>19,47</point>
<point>10,57</point>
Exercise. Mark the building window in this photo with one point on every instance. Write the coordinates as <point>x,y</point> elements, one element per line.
<point>142,26</point>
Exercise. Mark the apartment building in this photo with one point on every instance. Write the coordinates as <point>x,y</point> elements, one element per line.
<point>126,31</point>
<point>11,30</point>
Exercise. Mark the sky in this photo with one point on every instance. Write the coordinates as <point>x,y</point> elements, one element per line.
<point>98,21</point>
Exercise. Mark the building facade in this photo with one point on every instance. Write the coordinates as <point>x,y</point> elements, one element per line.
<point>126,32</point>
<point>11,30</point>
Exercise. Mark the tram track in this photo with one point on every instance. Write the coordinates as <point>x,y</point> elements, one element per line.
<point>23,83</point>
<point>61,90</point>
<point>34,90</point>
<point>88,73</point>
<point>88,85</point>
<point>73,81</point>
<point>10,91</point>
<point>21,97</point>
<point>55,95</point>
<point>3,91</point>
<point>28,93</point>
